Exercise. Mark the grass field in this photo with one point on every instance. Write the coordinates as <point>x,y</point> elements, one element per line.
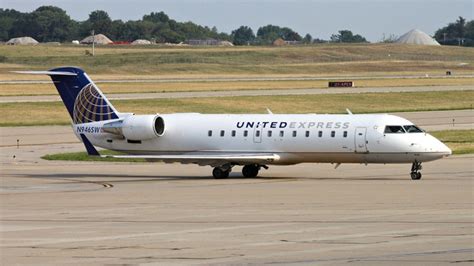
<point>322,59</point>
<point>459,141</point>
<point>48,113</point>
<point>141,87</point>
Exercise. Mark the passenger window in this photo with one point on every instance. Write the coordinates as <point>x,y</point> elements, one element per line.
<point>412,129</point>
<point>333,134</point>
<point>282,133</point>
<point>209,133</point>
<point>269,133</point>
<point>345,134</point>
<point>394,129</point>
<point>246,133</point>
<point>307,134</point>
<point>320,134</point>
<point>294,133</point>
<point>233,133</point>
<point>222,133</point>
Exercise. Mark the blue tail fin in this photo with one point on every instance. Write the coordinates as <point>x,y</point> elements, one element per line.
<point>82,98</point>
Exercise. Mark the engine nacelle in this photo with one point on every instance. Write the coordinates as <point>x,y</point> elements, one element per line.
<point>143,127</point>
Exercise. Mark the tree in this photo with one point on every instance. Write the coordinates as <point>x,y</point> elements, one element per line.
<point>9,23</point>
<point>100,22</point>
<point>469,33</point>
<point>307,38</point>
<point>268,34</point>
<point>346,36</point>
<point>50,23</point>
<point>243,36</point>
<point>390,39</point>
<point>456,33</point>
<point>155,17</point>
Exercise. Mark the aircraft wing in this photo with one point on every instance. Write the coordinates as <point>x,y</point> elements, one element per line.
<point>206,158</point>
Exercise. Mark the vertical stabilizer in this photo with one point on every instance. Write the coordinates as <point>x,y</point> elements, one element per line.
<point>82,98</point>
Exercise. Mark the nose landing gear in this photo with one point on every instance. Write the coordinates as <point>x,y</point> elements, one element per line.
<point>415,170</point>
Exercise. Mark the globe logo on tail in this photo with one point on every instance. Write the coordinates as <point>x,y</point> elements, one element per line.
<point>91,106</point>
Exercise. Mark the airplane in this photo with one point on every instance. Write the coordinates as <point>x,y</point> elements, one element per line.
<point>253,141</point>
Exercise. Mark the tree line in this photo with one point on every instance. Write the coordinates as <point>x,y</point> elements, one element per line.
<point>460,32</point>
<point>53,24</point>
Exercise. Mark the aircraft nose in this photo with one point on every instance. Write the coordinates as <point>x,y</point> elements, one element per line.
<point>442,148</point>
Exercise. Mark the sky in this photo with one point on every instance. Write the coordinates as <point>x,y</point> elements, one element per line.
<point>372,19</point>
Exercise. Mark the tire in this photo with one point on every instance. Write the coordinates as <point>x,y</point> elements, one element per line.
<point>418,176</point>
<point>219,173</point>
<point>250,171</point>
<point>415,176</point>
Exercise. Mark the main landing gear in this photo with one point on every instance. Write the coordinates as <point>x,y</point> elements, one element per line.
<point>222,172</point>
<point>415,171</point>
<point>249,171</point>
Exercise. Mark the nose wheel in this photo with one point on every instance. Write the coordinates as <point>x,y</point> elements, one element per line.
<point>415,171</point>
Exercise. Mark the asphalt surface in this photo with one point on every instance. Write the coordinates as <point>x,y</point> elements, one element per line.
<point>231,93</point>
<point>45,80</point>
<point>138,213</point>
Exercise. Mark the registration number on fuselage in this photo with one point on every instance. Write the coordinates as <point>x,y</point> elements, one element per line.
<point>88,129</point>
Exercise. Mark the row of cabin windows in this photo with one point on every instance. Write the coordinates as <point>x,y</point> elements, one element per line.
<point>270,133</point>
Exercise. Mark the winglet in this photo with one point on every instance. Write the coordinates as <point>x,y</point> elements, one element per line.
<point>91,151</point>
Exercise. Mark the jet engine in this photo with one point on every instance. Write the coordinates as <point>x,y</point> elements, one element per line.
<point>138,127</point>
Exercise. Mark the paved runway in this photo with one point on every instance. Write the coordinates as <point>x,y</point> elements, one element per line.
<point>136,213</point>
<point>230,93</point>
<point>20,79</point>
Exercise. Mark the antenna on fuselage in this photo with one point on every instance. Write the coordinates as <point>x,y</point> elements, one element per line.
<point>349,111</point>
<point>269,111</point>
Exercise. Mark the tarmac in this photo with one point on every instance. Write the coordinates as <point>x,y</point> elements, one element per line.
<point>235,93</point>
<point>55,212</point>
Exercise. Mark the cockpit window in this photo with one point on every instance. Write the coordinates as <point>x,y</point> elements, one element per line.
<point>394,129</point>
<point>412,129</point>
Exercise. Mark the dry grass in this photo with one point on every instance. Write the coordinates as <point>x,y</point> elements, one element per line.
<point>55,113</point>
<point>49,89</point>
<point>301,60</point>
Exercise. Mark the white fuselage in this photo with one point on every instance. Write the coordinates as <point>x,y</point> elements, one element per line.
<point>294,138</point>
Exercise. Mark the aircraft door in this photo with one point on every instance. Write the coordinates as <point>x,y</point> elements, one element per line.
<point>257,135</point>
<point>360,139</point>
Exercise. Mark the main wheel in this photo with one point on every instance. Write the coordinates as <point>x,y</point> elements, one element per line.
<point>415,175</point>
<point>250,170</point>
<point>218,173</point>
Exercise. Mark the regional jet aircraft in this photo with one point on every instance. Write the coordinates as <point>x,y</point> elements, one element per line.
<point>253,141</point>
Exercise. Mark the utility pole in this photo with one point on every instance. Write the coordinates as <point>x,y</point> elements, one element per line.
<point>93,43</point>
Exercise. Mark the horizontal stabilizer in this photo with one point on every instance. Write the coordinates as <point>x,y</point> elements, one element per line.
<point>50,73</point>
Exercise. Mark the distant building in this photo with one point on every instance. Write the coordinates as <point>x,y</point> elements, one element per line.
<point>97,39</point>
<point>208,41</point>
<point>281,42</point>
<point>22,41</point>
<point>141,42</point>
<point>417,37</point>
